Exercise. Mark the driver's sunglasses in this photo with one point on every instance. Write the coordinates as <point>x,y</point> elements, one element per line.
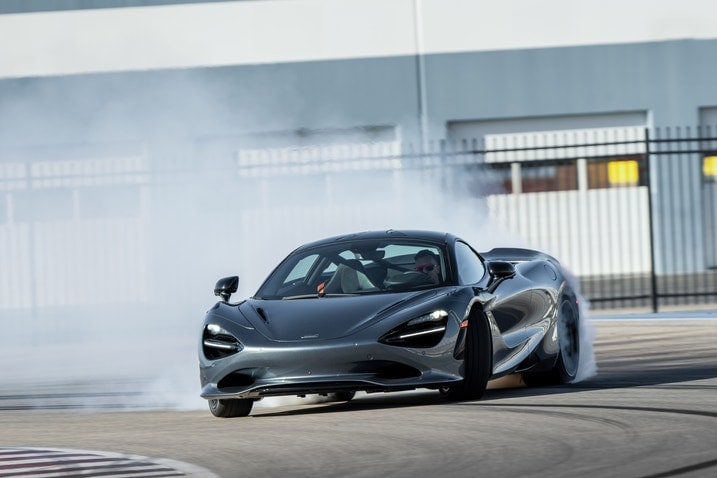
<point>425,268</point>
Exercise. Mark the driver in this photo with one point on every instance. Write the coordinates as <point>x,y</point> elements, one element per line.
<point>427,262</point>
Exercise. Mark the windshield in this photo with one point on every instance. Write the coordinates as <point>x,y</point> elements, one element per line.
<point>358,267</point>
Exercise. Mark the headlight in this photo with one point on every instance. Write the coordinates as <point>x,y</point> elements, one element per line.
<point>424,331</point>
<point>435,316</point>
<point>218,343</point>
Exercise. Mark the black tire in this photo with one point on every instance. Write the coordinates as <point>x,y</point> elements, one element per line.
<point>477,362</point>
<point>230,408</point>
<point>568,361</point>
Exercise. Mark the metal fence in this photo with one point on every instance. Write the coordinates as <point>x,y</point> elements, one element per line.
<point>631,211</point>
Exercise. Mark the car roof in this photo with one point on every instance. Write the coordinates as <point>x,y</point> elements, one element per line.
<point>430,236</point>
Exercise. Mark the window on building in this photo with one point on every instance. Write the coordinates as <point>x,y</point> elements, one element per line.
<point>548,176</point>
<point>571,159</point>
<point>496,178</point>
<point>617,172</point>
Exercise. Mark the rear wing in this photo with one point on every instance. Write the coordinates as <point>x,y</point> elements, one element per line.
<point>516,254</point>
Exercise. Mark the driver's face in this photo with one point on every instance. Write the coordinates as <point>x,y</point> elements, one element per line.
<point>429,267</point>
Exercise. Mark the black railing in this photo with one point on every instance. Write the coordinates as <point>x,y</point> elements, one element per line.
<point>666,179</point>
<point>642,231</point>
<point>631,211</point>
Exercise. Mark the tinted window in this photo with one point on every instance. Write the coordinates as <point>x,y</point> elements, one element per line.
<point>358,267</point>
<point>301,268</point>
<point>470,267</point>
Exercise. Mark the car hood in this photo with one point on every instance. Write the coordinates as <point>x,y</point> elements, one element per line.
<point>326,317</point>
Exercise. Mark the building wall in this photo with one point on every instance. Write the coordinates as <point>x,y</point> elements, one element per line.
<point>80,37</point>
<point>671,81</point>
<point>186,86</point>
<point>175,113</point>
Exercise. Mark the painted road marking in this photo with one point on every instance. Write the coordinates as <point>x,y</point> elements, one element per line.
<point>54,462</point>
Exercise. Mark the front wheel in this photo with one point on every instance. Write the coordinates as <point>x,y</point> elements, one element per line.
<point>228,408</point>
<point>478,360</point>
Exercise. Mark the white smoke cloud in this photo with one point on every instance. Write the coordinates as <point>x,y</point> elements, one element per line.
<point>195,227</point>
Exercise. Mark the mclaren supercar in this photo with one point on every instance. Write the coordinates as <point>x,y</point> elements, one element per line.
<point>388,311</point>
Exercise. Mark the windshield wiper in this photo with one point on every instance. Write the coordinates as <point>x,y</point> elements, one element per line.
<point>315,296</point>
<point>302,296</point>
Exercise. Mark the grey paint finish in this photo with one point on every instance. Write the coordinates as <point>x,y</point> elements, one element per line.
<point>669,80</point>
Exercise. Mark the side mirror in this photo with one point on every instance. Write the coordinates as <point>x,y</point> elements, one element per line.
<point>501,269</point>
<point>226,287</point>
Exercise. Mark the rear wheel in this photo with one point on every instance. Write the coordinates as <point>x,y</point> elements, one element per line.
<point>478,361</point>
<point>568,361</point>
<point>228,408</point>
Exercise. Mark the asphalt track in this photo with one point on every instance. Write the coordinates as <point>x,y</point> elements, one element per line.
<point>651,411</point>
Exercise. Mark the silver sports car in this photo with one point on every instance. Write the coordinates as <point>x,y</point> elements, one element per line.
<point>387,311</point>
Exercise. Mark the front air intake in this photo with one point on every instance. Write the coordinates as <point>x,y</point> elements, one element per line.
<point>235,379</point>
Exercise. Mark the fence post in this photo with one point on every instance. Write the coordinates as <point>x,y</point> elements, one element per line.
<point>651,225</point>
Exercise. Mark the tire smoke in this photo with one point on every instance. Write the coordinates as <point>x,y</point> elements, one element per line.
<point>111,276</point>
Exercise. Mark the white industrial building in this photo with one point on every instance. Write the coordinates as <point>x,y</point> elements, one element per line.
<point>114,115</point>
